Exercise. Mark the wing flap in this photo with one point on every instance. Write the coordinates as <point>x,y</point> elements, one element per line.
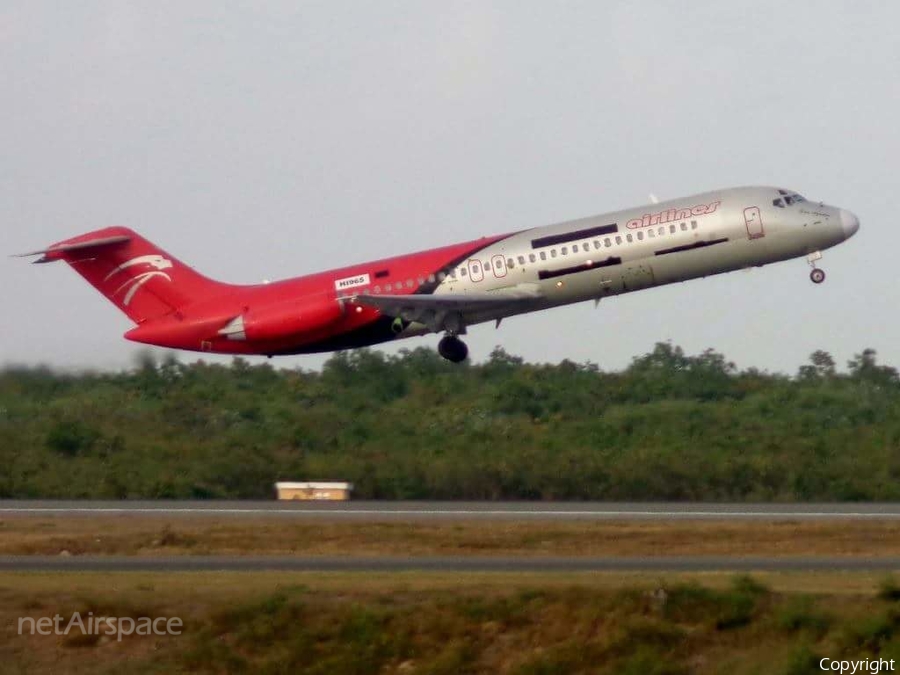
<point>432,309</point>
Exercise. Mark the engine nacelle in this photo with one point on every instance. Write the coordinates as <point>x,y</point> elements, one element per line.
<point>284,320</point>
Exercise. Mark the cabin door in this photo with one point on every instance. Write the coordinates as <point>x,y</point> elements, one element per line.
<point>753,221</point>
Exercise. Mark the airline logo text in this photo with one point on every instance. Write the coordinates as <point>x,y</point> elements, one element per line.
<point>351,282</point>
<point>672,215</point>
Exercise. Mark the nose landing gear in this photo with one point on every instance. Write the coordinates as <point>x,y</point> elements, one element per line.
<point>816,275</point>
<point>453,349</point>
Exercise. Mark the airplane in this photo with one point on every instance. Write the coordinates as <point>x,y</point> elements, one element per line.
<point>446,290</point>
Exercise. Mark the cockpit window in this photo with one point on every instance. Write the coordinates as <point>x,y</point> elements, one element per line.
<point>787,199</point>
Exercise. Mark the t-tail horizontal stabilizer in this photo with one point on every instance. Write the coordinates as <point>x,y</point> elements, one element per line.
<point>51,254</point>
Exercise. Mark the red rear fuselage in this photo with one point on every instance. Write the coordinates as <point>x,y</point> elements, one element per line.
<point>176,307</point>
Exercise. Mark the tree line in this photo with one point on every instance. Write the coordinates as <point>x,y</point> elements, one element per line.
<point>670,426</point>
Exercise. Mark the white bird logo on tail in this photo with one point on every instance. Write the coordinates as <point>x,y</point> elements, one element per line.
<point>135,282</point>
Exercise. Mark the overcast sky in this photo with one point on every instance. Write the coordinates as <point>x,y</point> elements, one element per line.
<point>267,140</point>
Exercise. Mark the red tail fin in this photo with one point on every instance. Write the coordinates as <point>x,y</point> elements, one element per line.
<point>142,280</point>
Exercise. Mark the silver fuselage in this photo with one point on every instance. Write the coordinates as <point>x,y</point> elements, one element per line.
<point>658,244</point>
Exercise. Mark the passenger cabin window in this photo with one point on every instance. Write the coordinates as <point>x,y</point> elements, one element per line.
<point>521,259</point>
<point>661,231</point>
<point>564,250</point>
<point>487,266</point>
<point>640,235</point>
<point>552,252</point>
<point>596,243</point>
<point>531,258</point>
<point>607,243</point>
<point>618,239</point>
<point>693,224</point>
<point>651,233</point>
<point>684,227</point>
<point>510,263</point>
<point>672,228</point>
<point>543,255</point>
<point>463,271</point>
<point>629,238</point>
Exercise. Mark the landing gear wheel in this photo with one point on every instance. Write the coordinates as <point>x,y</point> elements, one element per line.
<point>817,276</point>
<point>453,349</point>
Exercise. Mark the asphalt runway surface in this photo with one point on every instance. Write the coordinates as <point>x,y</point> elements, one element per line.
<point>418,511</point>
<point>442,564</point>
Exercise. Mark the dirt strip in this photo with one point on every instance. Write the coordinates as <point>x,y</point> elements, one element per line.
<point>167,535</point>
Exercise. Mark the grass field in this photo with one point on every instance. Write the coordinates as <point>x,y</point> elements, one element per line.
<point>150,535</point>
<point>441,623</point>
<point>411,623</point>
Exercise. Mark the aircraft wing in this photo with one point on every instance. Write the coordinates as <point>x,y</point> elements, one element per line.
<point>433,309</point>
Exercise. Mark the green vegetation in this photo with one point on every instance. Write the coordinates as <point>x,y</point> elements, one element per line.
<point>526,627</point>
<point>670,426</point>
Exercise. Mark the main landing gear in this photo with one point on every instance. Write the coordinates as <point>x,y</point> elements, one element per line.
<point>816,275</point>
<point>453,349</point>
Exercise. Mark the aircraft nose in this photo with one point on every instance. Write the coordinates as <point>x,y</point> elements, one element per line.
<point>849,222</point>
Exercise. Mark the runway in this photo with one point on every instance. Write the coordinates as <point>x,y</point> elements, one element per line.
<point>442,564</point>
<point>419,511</point>
<point>363,512</point>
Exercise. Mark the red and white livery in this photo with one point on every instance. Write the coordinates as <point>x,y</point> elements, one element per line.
<point>445,290</point>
